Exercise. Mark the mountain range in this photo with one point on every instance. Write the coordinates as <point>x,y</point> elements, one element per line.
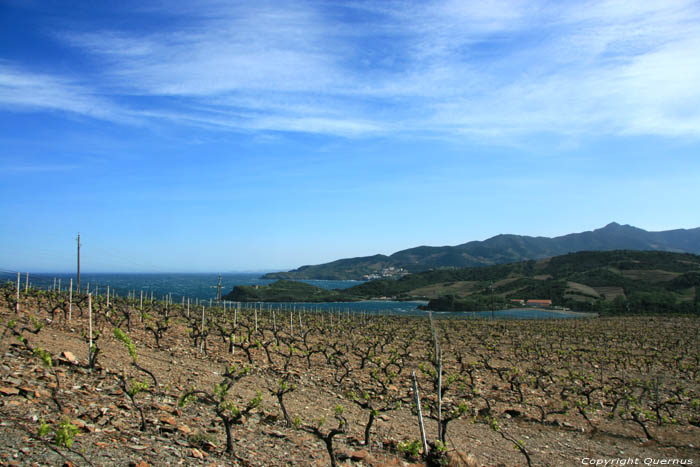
<point>500,249</point>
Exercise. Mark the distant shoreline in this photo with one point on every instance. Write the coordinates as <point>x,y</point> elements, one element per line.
<point>581,314</point>
<point>587,314</point>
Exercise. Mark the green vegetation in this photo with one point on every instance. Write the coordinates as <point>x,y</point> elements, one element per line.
<point>478,303</point>
<point>610,282</point>
<point>500,249</point>
<point>606,282</point>
<point>228,412</point>
<point>282,291</point>
<point>410,449</point>
<point>64,432</point>
<point>342,269</point>
<point>616,376</point>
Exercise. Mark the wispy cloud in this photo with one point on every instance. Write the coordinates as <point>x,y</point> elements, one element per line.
<point>506,67</point>
<point>222,49</point>
<point>603,67</point>
<point>22,90</point>
<point>26,168</point>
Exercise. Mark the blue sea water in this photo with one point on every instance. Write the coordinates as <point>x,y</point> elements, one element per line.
<point>198,285</point>
<point>203,286</point>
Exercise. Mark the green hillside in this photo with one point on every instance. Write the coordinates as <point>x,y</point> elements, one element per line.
<point>282,291</point>
<point>611,281</point>
<point>605,281</point>
<point>500,249</point>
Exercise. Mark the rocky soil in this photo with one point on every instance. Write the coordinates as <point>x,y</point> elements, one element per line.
<point>107,423</point>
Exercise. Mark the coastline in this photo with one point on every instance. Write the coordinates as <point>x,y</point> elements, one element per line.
<point>582,314</point>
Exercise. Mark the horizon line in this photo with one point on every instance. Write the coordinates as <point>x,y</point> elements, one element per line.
<point>260,271</point>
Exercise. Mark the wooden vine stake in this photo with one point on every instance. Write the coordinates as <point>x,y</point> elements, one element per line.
<point>437,360</point>
<point>90,328</point>
<point>70,301</point>
<point>439,397</point>
<point>201,342</point>
<point>17,304</point>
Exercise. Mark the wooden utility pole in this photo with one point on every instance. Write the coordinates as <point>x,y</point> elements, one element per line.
<point>78,262</point>
<point>218,290</point>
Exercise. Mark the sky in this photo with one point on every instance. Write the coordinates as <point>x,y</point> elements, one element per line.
<point>219,136</point>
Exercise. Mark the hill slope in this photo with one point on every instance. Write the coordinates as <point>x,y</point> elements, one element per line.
<point>607,281</point>
<point>499,250</point>
<point>613,281</point>
<point>281,291</point>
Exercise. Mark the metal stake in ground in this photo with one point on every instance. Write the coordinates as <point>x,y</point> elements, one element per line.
<point>420,413</point>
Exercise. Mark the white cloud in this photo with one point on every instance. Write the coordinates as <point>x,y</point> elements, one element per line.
<point>22,90</point>
<point>595,69</point>
<point>506,67</point>
<point>245,47</point>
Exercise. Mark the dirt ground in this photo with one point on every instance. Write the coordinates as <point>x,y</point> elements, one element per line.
<point>108,424</point>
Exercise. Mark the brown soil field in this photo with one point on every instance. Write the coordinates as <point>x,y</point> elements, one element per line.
<point>650,275</point>
<point>611,293</point>
<point>557,392</point>
<point>582,289</point>
<point>460,288</point>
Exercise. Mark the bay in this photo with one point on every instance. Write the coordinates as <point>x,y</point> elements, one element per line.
<point>203,286</point>
<point>189,285</point>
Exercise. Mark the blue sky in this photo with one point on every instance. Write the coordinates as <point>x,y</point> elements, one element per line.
<point>229,136</point>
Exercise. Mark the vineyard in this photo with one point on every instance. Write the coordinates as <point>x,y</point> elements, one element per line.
<point>108,380</point>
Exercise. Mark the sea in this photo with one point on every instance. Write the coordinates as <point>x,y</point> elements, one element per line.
<point>202,287</point>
